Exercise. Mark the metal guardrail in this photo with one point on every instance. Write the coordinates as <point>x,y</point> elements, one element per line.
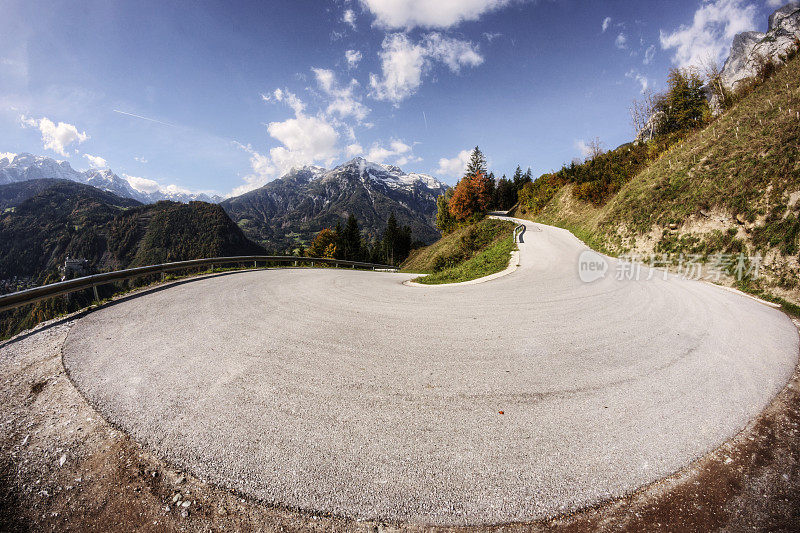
<point>29,296</point>
<point>518,232</point>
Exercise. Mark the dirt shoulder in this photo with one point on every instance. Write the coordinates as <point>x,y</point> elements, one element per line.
<point>63,468</point>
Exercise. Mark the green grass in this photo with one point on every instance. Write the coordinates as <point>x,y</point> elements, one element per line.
<point>470,252</point>
<point>490,261</point>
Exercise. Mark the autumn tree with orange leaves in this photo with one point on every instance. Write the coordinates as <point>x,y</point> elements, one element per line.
<point>323,245</point>
<point>471,197</point>
<point>473,193</point>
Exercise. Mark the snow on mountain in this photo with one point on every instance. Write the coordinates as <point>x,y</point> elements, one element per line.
<point>389,175</point>
<point>21,167</point>
<point>294,207</point>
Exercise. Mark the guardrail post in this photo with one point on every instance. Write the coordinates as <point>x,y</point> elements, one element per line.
<point>96,296</point>
<point>255,264</point>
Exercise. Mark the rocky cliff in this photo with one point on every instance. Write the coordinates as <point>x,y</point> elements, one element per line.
<point>750,49</point>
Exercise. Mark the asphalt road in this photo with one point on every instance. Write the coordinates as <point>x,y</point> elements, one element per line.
<point>347,392</point>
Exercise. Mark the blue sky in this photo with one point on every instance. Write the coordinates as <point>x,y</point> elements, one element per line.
<point>225,96</point>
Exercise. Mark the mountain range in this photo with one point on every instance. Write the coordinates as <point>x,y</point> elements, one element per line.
<point>286,212</point>
<point>290,210</point>
<point>24,167</point>
<point>44,221</point>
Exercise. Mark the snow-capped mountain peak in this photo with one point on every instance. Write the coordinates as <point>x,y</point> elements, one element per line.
<point>24,166</point>
<point>390,175</point>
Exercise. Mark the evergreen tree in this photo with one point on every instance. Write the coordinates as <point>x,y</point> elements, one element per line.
<point>528,177</point>
<point>505,193</point>
<point>477,163</point>
<point>351,240</point>
<point>390,237</point>
<point>339,243</point>
<point>492,188</point>
<point>517,179</point>
<point>396,242</point>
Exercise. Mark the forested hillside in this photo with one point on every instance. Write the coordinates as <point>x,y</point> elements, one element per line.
<point>46,221</point>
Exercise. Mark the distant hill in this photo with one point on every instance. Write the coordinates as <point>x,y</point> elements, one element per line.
<point>25,167</point>
<point>290,210</point>
<point>45,221</point>
<point>15,193</point>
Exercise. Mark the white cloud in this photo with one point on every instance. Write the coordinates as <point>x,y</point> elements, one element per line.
<point>140,159</point>
<point>454,166</point>
<point>606,23</point>
<point>349,18</point>
<point>713,27</point>
<point>353,150</point>
<point>639,77</point>
<point>8,155</point>
<point>396,149</point>
<point>279,95</point>
<point>142,184</point>
<point>353,57</point>
<point>262,171</point>
<point>56,137</point>
<point>343,103</point>
<point>96,161</point>
<point>401,63</point>
<point>149,186</point>
<point>408,14</point>
<point>304,140</point>
<point>649,54</point>
<point>776,3</point>
<point>404,62</point>
<point>454,53</point>
<point>621,41</point>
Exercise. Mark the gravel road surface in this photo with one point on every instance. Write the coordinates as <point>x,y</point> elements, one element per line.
<point>348,392</point>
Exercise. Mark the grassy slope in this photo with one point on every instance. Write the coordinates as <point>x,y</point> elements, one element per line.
<point>470,252</point>
<point>745,165</point>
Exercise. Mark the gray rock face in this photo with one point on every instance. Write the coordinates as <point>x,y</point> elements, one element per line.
<point>750,48</point>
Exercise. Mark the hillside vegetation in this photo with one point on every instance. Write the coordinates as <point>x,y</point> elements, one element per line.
<point>44,222</point>
<point>731,187</point>
<point>468,252</point>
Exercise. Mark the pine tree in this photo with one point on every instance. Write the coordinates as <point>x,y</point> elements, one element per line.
<point>477,163</point>
<point>351,239</point>
<point>390,237</point>
<point>517,179</point>
<point>528,177</point>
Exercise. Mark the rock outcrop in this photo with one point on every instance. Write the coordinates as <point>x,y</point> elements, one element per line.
<point>750,49</point>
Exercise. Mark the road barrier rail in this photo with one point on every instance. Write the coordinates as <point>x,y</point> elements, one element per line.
<point>518,232</point>
<point>51,290</point>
